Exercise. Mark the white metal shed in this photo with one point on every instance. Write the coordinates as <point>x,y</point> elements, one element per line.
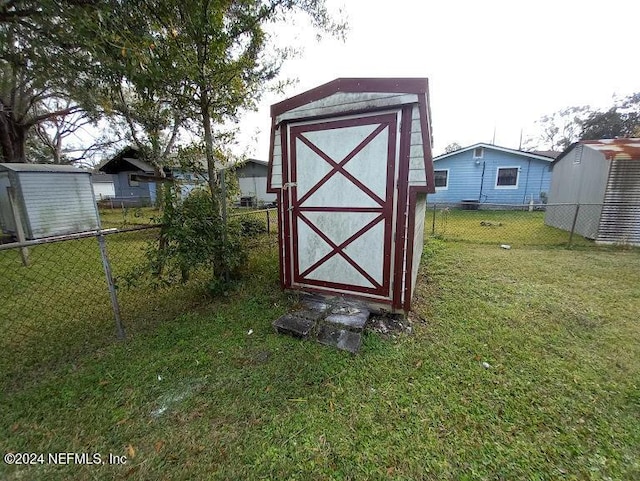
<point>50,199</point>
<point>351,164</point>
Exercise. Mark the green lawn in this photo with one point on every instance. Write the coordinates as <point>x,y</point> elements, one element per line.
<point>195,396</point>
<point>514,228</point>
<point>128,217</point>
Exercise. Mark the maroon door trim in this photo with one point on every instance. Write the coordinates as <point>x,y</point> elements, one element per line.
<point>403,205</point>
<point>292,210</point>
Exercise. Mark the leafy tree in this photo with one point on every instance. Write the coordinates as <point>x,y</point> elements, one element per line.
<point>452,147</point>
<point>209,60</point>
<point>559,130</point>
<point>41,68</point>
<point>193,238</point>
<point>621,120</point>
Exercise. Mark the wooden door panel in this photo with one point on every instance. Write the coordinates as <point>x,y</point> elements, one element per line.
<point>341,203</point>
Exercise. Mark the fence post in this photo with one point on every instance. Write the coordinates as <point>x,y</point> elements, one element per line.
<point>433,221</point>
<point>17,218</point>
<point>112,288</point>
<point>223,194</point>
<point>573,225</point>
<point>268,223</point>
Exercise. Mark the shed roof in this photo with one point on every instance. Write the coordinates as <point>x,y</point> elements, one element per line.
<point>352,85</point>
<point>19,167</point>
<point>531,155</point>
<point>612,149</point>
<point>352,96</point>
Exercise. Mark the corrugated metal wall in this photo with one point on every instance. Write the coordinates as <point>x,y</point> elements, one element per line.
<point>56,203</point>
<point>580,177</point>
<point>620,219</point>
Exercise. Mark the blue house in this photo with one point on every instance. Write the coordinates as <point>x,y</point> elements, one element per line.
<point>134,180</point>
<point>490,174</point>
<point>126,170</point>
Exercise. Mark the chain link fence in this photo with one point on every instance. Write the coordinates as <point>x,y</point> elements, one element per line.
<point>536,224</point>
<point>265,220</point>
<point>59,296</point>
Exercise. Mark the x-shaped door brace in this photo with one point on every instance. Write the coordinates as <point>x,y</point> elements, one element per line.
<point>339,167</point>
<point>338,249</point>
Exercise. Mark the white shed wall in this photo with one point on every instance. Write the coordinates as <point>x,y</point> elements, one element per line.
<point>417,174</point>
<point>104,190</point>
<point>255,187</point>
<point>580,177</point>
<point>276,166</point>
<point>418,239</point>
<point>56,203</point>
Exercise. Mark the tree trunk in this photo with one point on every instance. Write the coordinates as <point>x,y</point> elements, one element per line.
<point>217,193</point>
<point>208,146</point>
<point>13,137</point>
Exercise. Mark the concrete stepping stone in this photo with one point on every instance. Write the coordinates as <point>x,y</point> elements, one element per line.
<point>335,322</point>
<point>349,316</point>
<point>331,335</point>
<point>293,325</point>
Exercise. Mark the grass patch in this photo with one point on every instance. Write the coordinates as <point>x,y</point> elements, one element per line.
<point>128,217</point>
<point>198,397</point>
<point>515,228</point>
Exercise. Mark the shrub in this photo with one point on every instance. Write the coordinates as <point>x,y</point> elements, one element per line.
<point>193,236</point>
<point>251,226</point>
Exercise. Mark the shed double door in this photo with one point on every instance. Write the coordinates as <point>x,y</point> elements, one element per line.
<point>340,205</point>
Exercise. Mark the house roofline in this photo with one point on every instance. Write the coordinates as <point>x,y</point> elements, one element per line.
<point>255,161</point>
<point>495,147</point>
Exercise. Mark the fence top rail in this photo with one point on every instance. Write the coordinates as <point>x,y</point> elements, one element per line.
<point>480,204</point>
<point>250,212</point>
<point>75,236</point>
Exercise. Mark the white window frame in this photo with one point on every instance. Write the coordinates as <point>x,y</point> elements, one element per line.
<point>446,187</point>
<point>481,153</point>
<point>517,167</point>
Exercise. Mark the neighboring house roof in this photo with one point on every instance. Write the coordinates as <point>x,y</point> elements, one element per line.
<point>118,163</point>
<point>256,161</point>
<point>140,164</point>
<point>531,155</point>
<point>612,149</point>
<point>242,164</point>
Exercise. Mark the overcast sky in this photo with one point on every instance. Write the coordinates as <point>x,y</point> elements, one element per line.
<point>490,63</point>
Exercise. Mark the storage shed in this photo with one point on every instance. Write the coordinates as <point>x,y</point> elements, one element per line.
<point>252,180</point>
<point>50,200</point>
<point>603,177</point>
<point>351,164</point>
